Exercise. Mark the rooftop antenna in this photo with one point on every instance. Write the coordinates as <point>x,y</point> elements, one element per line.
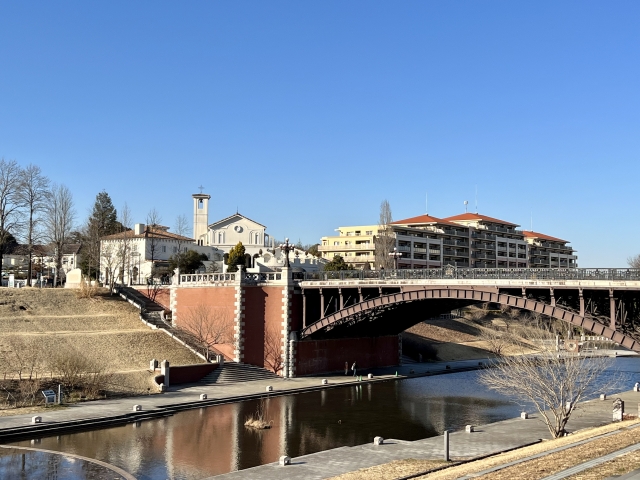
<point>532,220</point>
<point>466,202</point>
<point>427,203</point>
<point>476,199</point>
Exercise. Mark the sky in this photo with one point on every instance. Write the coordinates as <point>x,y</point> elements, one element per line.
<point>305,116</point>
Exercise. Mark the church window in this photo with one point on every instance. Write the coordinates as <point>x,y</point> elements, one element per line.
<point>257,238</point>
<point>164,249</point>
<point>200,204</point>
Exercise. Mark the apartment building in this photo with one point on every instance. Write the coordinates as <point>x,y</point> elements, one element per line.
<point>468,240</point>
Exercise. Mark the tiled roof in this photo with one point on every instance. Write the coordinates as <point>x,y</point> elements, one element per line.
<point>477,216</point>
<point>160,234</point>
<point>542,236</point>
<point>420,219</point>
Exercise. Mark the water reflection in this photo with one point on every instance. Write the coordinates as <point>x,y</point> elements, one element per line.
<point>209,441</point>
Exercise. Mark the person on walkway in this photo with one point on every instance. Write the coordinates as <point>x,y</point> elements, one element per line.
<point>346,368</point>
<point>353,367</point>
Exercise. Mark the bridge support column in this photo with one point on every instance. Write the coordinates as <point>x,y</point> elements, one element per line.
<point>524,292</point>
<point>341,298</point>
<point>304,309</point>
<point>612,309</point>
<point>360,294</point>
<point>321,303</point>
<point>553,297</point>
<point>581,302</point>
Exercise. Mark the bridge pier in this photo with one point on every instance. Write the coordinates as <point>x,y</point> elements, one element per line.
<point>581,297</point>
<point>612,309</point>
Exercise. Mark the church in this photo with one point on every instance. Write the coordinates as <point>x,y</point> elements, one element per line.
<point>224,234</point>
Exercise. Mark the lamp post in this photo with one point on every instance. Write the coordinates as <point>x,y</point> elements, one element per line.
<point>286,247</point>
<point>396,255</point>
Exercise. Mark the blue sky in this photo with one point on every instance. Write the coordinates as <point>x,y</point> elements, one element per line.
<point>306,115</point>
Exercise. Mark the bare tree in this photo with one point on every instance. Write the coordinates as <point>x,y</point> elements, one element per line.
<point>273,358</point>
<point>385,240</point>
<point>151,237</point>
<point>124,245</point>
<point>58,223</point>
<point>182,229</point>
<point>10,204</point>
<point>33,193</point>
<point>553,383</point>
<point>109,262</point>
<point>207,327</point>
<point>496,342</point>
<point>634,262</point>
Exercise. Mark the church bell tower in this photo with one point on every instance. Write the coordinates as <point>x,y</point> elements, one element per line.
<point>201,218</point>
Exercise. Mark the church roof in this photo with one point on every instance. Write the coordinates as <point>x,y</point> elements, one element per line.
<point>235,215</point>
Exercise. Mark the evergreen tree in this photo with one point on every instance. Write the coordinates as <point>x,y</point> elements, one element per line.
<point>102,222</point>
<point>189,262</point>
<point>235,258</point>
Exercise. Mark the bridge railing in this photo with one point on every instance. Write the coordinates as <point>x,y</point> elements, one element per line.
<point>611,274</point>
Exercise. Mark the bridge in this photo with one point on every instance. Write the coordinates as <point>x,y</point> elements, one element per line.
<point>322,319</point>
<point>373,303</point>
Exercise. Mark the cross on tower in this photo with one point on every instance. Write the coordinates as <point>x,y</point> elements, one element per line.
<point>201,188</point>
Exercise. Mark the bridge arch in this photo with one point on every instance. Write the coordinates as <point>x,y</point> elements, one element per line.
<point>380,309</point>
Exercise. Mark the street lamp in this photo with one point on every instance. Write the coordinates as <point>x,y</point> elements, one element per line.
<point>286,247</point>
<point>136,255</point>
<point>396,255</point>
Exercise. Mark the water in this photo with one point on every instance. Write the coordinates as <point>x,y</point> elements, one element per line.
<point>209,441</point>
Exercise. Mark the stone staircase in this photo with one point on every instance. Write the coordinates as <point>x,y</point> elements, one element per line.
<point>150,311</point>
<point>232,372</point>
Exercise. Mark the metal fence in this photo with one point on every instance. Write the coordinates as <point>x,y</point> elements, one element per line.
<point>617,274</point>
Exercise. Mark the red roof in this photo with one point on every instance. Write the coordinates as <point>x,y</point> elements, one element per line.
<point>420,219</point>
<point>477,216</point>
<point>531,234</point>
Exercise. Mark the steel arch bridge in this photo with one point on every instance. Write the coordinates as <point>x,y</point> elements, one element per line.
<point>605,302</point>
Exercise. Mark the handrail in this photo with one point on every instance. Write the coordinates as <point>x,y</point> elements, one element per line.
<point>450,272</point>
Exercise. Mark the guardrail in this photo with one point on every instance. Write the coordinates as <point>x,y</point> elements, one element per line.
<point>617,274</point>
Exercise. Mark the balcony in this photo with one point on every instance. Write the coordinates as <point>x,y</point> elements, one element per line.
<point>360,258</point>
<point>434,252</point>
<point>404,248</point>
<point>333,248</point>
<point>419,250</point>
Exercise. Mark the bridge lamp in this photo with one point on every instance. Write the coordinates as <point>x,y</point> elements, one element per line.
<point>286,247</point>
<point>396,255</point>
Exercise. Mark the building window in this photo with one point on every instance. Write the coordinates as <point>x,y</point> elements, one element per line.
<point>257,238</point>
<point>369,232</point>
<point>200,204</point>
<point>220,238</point>
<point>164,249</point>
<point>336,243</point>
<point>175,249</point>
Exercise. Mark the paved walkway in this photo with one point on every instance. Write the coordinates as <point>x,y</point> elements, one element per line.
<point>487,439</point>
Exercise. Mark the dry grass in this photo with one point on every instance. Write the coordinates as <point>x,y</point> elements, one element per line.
<point>103,331</point>
<point>617,467</point>
<point>473,467</point>
<point>392,470</point>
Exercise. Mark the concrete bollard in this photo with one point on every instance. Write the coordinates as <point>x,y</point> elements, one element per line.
<point>269,388</point>
<point>137,408</point>
<point>469,429</point>
<point>284,460</point>
<point>36,419</point>
<point>524,415</point>
<point>446,445</point>
<point>203,396</point>
<point>325,381</point>
<point>370,376</point>
<point>153,364</point>
<point>162,387</point>
<point>378,441</point>
<point>636,387</point>
<point>603,396</point>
